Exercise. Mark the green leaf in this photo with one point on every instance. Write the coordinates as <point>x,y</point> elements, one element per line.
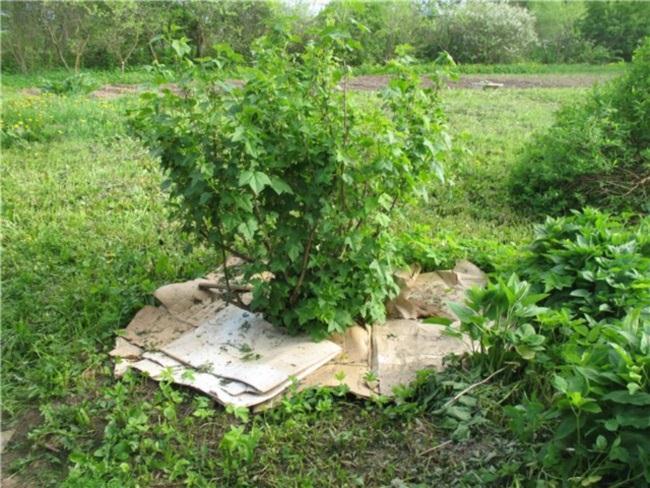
<point>463,312</point>
<point>525,351</point>
<point>591,407</point>
<point>460,413</point>
<point>611,425</point>
<point>280,186</point>
<point>623,396</point>
<point>256,180</point>
<point>591,480</point>
<point>248,229</point>
<point>566,428</point>
<point>180,47</point>
<point>579,292</point>
<point>560,383</point>
<point>438,320</point>
<point>639,420</point>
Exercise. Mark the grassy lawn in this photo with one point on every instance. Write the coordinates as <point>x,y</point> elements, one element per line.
<point>130,76</point>
<point>88,237</point>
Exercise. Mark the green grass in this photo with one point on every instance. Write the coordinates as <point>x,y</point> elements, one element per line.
<point>134,75</point>
<point>528,68</point>
<point>87,237</point>
<point>472,217</point>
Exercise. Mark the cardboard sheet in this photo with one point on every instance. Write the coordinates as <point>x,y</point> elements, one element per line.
<point>238,358</point>
<point>242,346</point>
<point>351,367</point>
<point>401,348</point>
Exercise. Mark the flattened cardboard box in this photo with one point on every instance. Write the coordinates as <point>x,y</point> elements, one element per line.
<point>238,358</point>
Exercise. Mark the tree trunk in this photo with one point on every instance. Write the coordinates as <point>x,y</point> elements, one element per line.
<point>130,51</point>
<point>19,57</point>
<point>79,54</point>
<point>153,52</point>
<point>58,48</point>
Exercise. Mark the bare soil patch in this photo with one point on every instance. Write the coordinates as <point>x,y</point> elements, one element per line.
<point>377,82</point>
<point>114,91</point>
<point>17,448</point>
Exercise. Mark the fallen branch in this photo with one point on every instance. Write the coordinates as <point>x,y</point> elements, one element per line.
<point>431,449</point>
<point>467,390</point>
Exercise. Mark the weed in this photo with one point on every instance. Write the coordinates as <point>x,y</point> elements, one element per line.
<point>583,358</point>
<point>73,85</point>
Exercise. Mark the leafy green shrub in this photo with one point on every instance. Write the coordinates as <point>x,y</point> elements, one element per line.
<point>596,153</point>
<point>287,172</point>
<point>76,84</point>
<point>603,402</point>
<point>596,271</point>
<point>378,27</point>
<point>583,355</point>
<point>485,32</point>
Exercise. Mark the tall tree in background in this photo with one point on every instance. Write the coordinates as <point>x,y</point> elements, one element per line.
<point>237,23</point>
<point>377,27</point>
<point>22,35</point>
<point>124,29</point>
<point>620,26</point>
<point>70,27</point>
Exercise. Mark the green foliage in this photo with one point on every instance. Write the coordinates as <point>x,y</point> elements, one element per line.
<point>583,357</point>
<point>82,231</point>
<point>119,33</point>
<point>287,171</point>
<point>238,446</point>
<point>618,26</point>
<point>560,39</point>
<point>484,32</point>
<point>446,395</point>
<point>590,263</point>
<point>376,28</point>
<point>603,401</point>
<point>568,46</point>
<point>499,318</point>
<point>525,67</point>
<point>76,84</point>
<point>596,153</point>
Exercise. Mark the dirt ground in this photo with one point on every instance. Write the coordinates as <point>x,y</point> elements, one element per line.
<point>113,91</point>
<point>19,450</point>
<point>377,82</point>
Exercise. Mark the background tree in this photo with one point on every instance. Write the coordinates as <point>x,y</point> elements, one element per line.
<point>618,26</point>
<point>22,36</point>
<point>124,29</point>
<point>70,26</point>
<point>484,32</point>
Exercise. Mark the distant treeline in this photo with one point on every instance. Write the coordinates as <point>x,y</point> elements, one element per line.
<point>39,35</point>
